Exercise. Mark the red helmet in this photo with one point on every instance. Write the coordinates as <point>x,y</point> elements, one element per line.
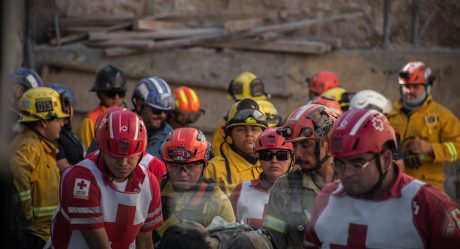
<point>271,140</point>
<point>329,102</point>
<point>186,145</point>
<point>360,131</point>
<point>104,114</point>
<point>308,121</point>
<point>415,73</point>
<point>323,81</point>
<point>121,134</point>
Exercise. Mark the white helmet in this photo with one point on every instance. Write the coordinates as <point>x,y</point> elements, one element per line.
<point>370,99</point>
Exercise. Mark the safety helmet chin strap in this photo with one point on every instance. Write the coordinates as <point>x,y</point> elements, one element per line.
<point>319,162</point>
<point>370,195</point>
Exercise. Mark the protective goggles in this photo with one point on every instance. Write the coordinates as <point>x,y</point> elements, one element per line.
<point>267,155</point>
<point>187,166</point>
<point>180,155</point>
<point>112,94</point>
<point>273,119</point>
<point>242,115</point>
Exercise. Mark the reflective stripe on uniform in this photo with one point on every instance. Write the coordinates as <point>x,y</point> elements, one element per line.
<point>153,222</point>
<point>452,150</point>
<point>44,211</point>
<point>168,222</point>
<point>153,213</point>
<point>84,210</point>
<point>25,196</point>
<point>275,224</point>
<point>79,221</point>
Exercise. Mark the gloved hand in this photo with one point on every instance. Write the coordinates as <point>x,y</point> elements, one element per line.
<point>411,160</point>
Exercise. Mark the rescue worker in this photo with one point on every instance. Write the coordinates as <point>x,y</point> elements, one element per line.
<point>187,109</point>
<point>429,133</point>
<point>375,205</point>
<point>71,150</point>
<point>291,200</point>
<point>110,88</point>
<point>20,81</point>
<point>332,103</point>
<point>271,115</point>
<point>341,95</point>
<point>108,200</point>
<point>186,194</point>
<point>237,161</point>
<point>250,198</point>
<point>153,164</point>
<point>373,100</point>
<point>33,161</point>
<point>153,100</point>
<point>244,85</point>
<point>321,82</point>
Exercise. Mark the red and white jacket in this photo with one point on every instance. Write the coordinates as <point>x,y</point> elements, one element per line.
<point>412,215</point>
<point>90,200</point>
<point>249,201</point>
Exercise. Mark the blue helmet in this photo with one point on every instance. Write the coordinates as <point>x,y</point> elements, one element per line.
<point>154,92</point>
<point>65,91</point>
<point>26,77</point>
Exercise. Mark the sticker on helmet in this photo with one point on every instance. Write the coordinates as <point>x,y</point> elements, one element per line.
<point>343,125</point>
<point>44,105</point>
<point>377,123</point>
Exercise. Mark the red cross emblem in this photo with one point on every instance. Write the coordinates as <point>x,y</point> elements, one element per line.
<point>356,238</point>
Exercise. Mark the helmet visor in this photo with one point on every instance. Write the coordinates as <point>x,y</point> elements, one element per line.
<point>188,117</point>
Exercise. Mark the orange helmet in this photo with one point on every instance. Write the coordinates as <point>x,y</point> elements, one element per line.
<point>308,121</point>
<point>415,73</point>
<point>186,145</point>
<point>323,81</point>
<point>329,102</point>
<point>186,100</point>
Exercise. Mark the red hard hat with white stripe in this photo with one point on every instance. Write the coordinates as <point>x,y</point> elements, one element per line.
<point>121,134</point>
<point>360,131</point>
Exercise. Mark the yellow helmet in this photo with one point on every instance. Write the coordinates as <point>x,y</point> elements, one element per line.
<point>247,85</point>
<point>341,95</point>
<point>271,114</point>
<point>245,112</point>
<point>41,103</point>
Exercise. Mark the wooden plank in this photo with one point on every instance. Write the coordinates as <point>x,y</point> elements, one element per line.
<point>284,46</point>
<point>137,44</point>
<point>234,26</point>
<point>226,16</point>
<point>81,36</point>
<point>94,20</point>
<point>154,25</point>
<point>163,34</point>
<point>216,38</point>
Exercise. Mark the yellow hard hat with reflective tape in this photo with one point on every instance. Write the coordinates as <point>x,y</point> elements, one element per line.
<point>42,103</point>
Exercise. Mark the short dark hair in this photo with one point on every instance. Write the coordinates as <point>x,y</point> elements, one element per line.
<point>186,235</point>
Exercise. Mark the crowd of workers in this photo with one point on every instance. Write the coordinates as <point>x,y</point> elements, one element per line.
<point>345,170</point>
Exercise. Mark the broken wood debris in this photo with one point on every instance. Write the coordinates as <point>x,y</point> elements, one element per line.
<point>120,36</point>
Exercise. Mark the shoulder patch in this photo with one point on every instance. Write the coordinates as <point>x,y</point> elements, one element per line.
<point>81,188</point>
<point>431,119</point>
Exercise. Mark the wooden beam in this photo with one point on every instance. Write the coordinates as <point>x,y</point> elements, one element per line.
<point>154,25</point>
<point>234,26</point>
<point>221,37</point>
<point>137,44</point>
<point>282,46</point>
<point>163,34</point>
<point>94,20</point>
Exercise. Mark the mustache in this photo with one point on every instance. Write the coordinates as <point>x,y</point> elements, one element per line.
<point>299,161</point>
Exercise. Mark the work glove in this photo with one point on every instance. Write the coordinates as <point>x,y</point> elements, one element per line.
<point>411,160</point>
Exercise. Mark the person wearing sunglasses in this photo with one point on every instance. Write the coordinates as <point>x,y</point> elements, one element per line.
<point>110,88</point>
<point>186,193</point>
<point>237,161</point>
<point>33,162</point>
<point>71,149</point>
<point>153,100</point>
<point>187,109</point>
<point>375,204</point>
<point>291,200</point>
<point>250,198</point>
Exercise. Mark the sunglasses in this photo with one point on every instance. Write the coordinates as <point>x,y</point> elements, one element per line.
<point>266,155</point>
<point>112,94</point>
<point>158,112</point>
